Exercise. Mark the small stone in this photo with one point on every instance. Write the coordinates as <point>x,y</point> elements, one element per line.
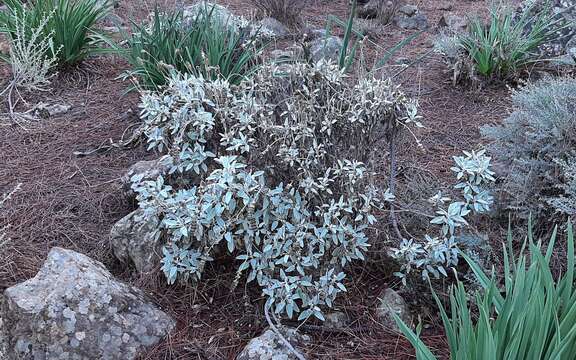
<point>476,247</point>
<point>114,29</point>
<point>445,7</point>
<point>146,170</point>
<point>312,33</point>
<point>402,61</point>
<point>336,320</point>
<point>274,27</point>
<point>133,240</point>
<point>45,110</point>
<point>373,8</point>
<point>453,23</point>
<point>390,302</point>
<point>326,48</point>
<point>220,13</point>
<point>416,22</point>
<point>279,54</point>
<point>268,346</point>
<point>408,10</point>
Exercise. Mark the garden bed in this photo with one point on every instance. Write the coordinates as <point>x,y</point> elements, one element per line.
<point>71,197</point>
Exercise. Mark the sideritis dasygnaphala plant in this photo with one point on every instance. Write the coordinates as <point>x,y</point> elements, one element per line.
<point>437,253</point>
<point>276,170</point>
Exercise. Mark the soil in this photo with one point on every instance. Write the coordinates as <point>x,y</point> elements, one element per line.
<point>73,201</point>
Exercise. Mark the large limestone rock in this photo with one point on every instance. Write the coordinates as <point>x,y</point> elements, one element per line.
<point>268,346</point>
<point>74,309</point>
<point>134,240</point>
<point>390,302</point>
<point>327,48</point>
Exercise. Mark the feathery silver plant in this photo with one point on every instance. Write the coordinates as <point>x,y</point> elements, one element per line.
<point>32,55</point>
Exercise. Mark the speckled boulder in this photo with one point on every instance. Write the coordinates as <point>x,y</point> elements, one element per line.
<point>74,309</point>
<point>268,346</point>
<point>135,241</point>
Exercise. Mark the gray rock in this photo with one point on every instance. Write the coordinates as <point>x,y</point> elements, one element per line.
<point>453,23</point>
<point>115,3</point>
<point>402,61</point>
<point>279,54</point>
<point>268,346</point>
<point>115,29</point>
<point>312,33</point>
<point>190,13</point>
<point>372,9</point>
<point>134,240</point>
<point>570,45</point>
<point>287,55</point>
<point>567,59</point>
<point>146,170</point>
<point>408,10</point>
<point>392,303</point>
<point>564,13</point>
<point>476,247</point>
<point>572,53</point>
<point>418,21</point>
<point>274,27</point>
<point>327,48</point>
<point>46,110</point>
<point>445,7</point>
<point>75,309</point>
<point>3,335</point>
<point>336,320</point>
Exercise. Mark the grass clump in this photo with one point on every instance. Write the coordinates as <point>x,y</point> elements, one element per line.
<point>501,47</point>
<point>205,46</point>
<point>532,317</point>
